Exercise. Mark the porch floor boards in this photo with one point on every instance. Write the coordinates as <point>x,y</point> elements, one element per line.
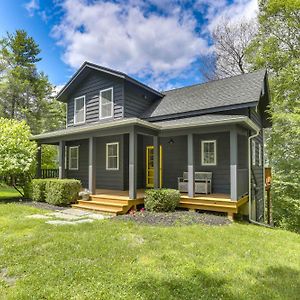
<point>118,202</point>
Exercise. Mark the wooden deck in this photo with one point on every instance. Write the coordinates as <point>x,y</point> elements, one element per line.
<point>118,202</point>
<point>213,202</point>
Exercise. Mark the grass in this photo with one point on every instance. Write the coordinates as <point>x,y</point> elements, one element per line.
<point>121,260</point>
<point>8,193</point>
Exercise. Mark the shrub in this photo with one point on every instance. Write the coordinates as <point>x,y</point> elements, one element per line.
<point>62,191</point>
<point>38,189</point>
<point>161,200</point>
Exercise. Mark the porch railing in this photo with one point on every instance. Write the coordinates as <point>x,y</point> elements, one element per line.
<point>49,173</point>
<point>242,182</point>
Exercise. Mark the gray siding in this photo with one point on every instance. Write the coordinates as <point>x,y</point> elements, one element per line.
<point>175,160</point>
<point>221,172</point>
<point>91,87</point>
<point>109,179</point>
<point>137,100</point>
<point>258,171</point>
<point>82,173</point>
<point>242,176</point>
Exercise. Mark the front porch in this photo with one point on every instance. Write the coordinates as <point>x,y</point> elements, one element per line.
<point>149,157</point>
<point>119,202</point>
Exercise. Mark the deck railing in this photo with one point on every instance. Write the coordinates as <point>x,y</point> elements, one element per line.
<point>49,173</point>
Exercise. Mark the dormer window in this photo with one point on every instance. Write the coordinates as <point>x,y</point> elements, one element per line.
<point>79,110</point>
<point>106,109</point>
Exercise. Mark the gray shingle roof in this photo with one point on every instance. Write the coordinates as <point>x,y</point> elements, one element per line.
<point>234,90</point>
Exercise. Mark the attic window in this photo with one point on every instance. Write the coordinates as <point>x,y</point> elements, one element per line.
<point>79,110</point>
<point>106,104</point>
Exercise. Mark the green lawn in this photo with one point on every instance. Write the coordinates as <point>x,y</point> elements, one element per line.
<point>117,260</point>
<point>8,193</point>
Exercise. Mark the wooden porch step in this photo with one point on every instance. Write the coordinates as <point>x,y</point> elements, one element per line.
<point>99,208</point>
<point>106,200</point>
<point>105,203</point>
<point>114,197</point>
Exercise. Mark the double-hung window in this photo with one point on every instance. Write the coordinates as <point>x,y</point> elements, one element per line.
<point>74,158</point>
<point>208,153</point>
<point>106,104</point>
<point>112,156</point>
<point>79,110</point>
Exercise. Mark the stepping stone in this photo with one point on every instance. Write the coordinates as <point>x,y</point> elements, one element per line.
<point>62,222</point>
<point>98,216</point>
<point>62,215</point>
<point>83,221</point>
<point>38,216</point>
<point>76,212</point>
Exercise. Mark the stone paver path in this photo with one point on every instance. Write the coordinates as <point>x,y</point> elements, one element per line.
<point>69,216</point>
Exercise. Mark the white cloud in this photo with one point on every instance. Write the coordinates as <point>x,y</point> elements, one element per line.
<point>216,11</point>
<point>32,6</point>
<point>57,88</point>
<point>130,38</point>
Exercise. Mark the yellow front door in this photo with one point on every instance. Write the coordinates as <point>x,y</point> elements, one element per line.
<point>150,166</point>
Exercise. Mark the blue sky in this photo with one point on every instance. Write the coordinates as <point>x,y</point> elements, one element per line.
<point>160,42</point>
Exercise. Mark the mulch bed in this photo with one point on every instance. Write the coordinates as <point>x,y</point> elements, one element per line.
<point>177,218</point>
<point>28,202</point>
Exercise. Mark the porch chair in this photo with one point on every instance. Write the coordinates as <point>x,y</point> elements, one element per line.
<point>202,182</point>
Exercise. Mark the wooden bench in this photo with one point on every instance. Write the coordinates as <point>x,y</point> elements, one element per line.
<point>202,182</point>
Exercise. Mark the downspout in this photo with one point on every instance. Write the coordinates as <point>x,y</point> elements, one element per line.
<point>249,181</point>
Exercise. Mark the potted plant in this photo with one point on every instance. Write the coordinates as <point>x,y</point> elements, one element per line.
<point>85,194</point>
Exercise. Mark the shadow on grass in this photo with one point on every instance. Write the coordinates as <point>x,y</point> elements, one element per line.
<point>199,285</point>
<point>279,282</point>
<point>273,283</point>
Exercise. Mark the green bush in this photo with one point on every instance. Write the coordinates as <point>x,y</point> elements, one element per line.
<point>161,200</point>
<point>61,191</point>
<point>38,189</point>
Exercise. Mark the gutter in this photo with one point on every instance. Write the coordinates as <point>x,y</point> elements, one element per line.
<point>249,182</point>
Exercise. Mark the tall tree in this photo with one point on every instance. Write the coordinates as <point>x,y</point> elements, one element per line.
<point>26,93</point>
<point>277,47</point>
<point>230,44</point>
<point>17,153</point>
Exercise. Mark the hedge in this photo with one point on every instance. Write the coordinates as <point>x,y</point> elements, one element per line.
<point>161,200</point>
<point>56,191</point>
<point>38,190</point>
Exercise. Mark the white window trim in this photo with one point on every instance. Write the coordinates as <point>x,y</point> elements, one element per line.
<point>70,148</point>
<point>253,153</point>
<point>259,155</point>
<point>118,157</point>
<point>75,121</point>
<point>202,153</point>
<point>112,103</point>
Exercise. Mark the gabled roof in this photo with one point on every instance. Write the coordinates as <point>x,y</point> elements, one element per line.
<point>86,68</point>
<point>236,90</point>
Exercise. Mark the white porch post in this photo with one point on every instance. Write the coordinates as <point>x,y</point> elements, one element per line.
<point>132,164</point>
<point>39,161</point>
<point>233,164</point>
<point>191,170</point>
<point>92,167</point>
<point>156,161</point>
<point>61,154</point>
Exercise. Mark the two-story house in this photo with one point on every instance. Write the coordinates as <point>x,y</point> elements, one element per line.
<point>122,137</point>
